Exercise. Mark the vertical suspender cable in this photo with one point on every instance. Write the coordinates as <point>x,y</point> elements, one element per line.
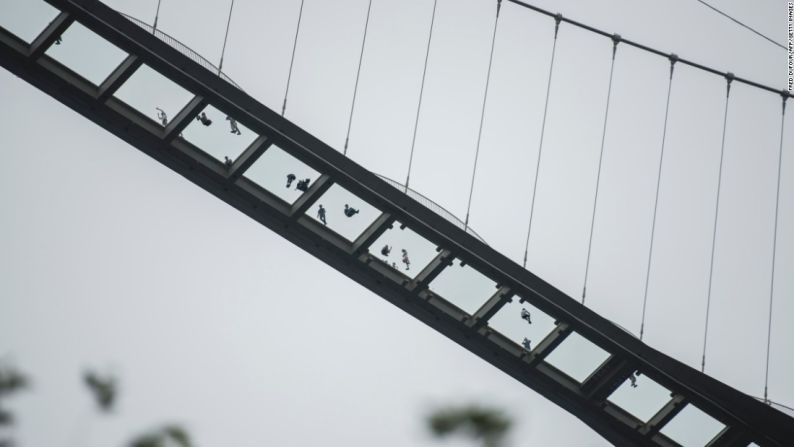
<point>292,59</point>
<point>557,20</point>
<point>615,41</point>
<point>358,75</point>
<point>774,247</point>
<point>482,113</point>
<point>421,94</point>
<point>673,59</point>
<point>729,77</point>
<point>156,16</point>
<point>226,37</point>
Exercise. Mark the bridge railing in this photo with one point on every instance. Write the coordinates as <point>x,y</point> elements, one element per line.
<point>182,48</point>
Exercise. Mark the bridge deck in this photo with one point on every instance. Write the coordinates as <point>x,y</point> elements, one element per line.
<point>355,253</point>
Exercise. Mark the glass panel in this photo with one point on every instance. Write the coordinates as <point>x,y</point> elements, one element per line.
<point>390,245</point>
<point>577,356</point>
<point>641,397</point>
<point>87,54</point>
<point>26,18</point>
<point>154,95</point>
<point>518,321</point>
<point>218,135</point>
<point>281,174</point>
<point>464,287</point>
<point>343,212</point>
<point>692,427</point>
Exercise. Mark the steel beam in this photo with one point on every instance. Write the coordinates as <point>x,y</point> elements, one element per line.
<point>50,35</point>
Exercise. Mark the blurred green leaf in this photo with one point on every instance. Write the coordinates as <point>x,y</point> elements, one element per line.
<point>479,423</point>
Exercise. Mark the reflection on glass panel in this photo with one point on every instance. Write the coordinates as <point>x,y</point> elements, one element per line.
<point>87,54</point>
<point>518,321</point>
<point>26,18</point>
<point>154,95</point>
<point>692,427</point>
<point>577,357</point>
<point>403,249</point>
<point>343,212</point>
<point>641,396</point>
<point>218,134</point>
<point>282,174</point>
<point>464,287</point>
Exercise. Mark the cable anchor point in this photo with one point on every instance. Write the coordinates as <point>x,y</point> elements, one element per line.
<point>673,59</point>
<point>557,21</point>
<point>616,39</point>
<point>498,7</point>
<point>729,77</point>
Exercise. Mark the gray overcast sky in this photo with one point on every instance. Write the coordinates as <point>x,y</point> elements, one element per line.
<point>210,320</point>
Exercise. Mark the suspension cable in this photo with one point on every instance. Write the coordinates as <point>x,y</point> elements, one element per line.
<point>615,42</point>
<point>156,16</point>
<point>673,59</point>
<point>728,77</point>
<point>774,249</point>
<point>421,94</point>
<point>557,21</point>
<point>226,37</point>
<point>292,59</point>
<point>482,113</point>
<point>358,75</point>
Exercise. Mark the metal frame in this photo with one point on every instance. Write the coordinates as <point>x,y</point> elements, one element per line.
<point>745,418</point>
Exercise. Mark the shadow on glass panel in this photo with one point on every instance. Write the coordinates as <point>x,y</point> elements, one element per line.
<point>640,396</point>
<point>26,18</point>
<point>282,174</point>
<point>464,287</point>
<point>519,321</point>
<point>86,54</point>
<point>218,134</point>
<point>154,95</point>
<point>343,212</point>
<point>577,357</point>
<point>403,249</point>
<point>692,427</point>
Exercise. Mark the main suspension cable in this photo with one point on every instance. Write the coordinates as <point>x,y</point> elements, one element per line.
<point>615,42</point>
<point>421,94</point>
<point>226,37</point>
<point>774,249</point>
<point>557,20</point>
<point>673,59</point>
<point>292,59</point>
<point>729,78</point>
<point>358,75</point>
<point>482,113</point>
<point>649,49</point>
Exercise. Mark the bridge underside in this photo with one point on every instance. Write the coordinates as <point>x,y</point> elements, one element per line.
<point>356,255</point>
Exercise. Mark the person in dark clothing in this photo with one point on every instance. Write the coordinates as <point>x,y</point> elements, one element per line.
<point>228,162</point>
<point>321,215</point>
<point>526,315</point>
<point>385,250</point>
<point>290,179</point>
<point>203,118</point>
<point>303,185</point>
<point>406,261</point>
<point>526,344</point>
<point>350,211</point>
